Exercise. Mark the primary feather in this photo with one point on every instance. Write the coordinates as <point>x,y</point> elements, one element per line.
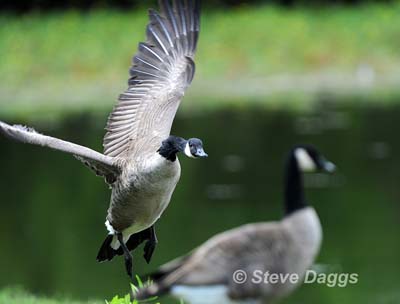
<point>161,71</point>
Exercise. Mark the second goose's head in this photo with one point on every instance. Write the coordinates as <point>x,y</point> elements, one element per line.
<point>310,160</point>
<point>193,148</point>
<point>302,159</point>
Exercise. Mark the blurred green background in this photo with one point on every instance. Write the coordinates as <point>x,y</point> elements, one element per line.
<point>269,75</point>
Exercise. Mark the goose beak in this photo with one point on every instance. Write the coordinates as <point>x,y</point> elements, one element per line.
<point>329,167</point>
<point>200,153</point>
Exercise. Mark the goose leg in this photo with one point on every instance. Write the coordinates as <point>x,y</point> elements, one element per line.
<point>127,255</point>
<point>150,244</point>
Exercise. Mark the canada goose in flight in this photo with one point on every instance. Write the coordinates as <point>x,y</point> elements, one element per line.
<point>207,275</point>
<point>139,161</point>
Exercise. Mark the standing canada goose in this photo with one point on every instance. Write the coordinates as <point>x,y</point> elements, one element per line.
<point>208,274</point>
<point>140,156</point>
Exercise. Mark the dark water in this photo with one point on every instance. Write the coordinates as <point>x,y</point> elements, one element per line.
<point>53,208</point>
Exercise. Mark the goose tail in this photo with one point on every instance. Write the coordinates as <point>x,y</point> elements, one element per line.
<point>163,280</point>
<point>157,287</point>
<point>106,252</point>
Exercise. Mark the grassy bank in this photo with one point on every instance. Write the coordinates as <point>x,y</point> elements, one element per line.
<point>73,61</point>
<point>17,296</point>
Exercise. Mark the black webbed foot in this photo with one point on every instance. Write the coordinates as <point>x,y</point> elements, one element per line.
<point>127,256</point>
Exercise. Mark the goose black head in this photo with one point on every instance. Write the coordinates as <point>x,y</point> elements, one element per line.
<point>194,148</point>
<point>310,160</point>
<point>302,159</point>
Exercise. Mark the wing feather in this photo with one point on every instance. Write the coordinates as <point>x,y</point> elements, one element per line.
<point>163,26</point>
<point>138,60</point>
<point>161,70</point>
<point>101,164</point>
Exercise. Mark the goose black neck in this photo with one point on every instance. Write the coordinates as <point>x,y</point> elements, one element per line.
<point>171,146</point>
<point>294,191</point>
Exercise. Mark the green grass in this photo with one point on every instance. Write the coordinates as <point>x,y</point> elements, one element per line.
<point>72,61</point>
<point>18,296</point>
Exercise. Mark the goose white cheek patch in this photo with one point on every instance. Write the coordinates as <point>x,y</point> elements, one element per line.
<point>304,160</point>
<point>187,151</point>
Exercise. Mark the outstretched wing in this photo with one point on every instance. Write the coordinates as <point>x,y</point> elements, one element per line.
<point>102,165</point>
<point>162,70</point>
